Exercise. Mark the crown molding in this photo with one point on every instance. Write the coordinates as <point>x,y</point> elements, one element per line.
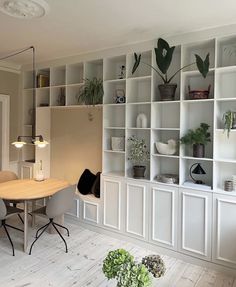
<point>10,67</point>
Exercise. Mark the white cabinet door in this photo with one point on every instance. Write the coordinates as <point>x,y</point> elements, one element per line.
<point>111,194</point>
<point>224,233</point>
<point>196,219</point>
<point>136,212</point>
<point>164,215</point>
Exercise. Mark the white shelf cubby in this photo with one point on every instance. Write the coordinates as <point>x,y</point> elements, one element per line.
<point>112,89</point>
<point>166,115</point>
<point>74,74</point>
<point>132,112</point>
<point>112,67</point>
<point>114,116</point>
<point>93,69</point>
<point>58,76</point>
<point>139,90</point>
<point>226,48</point>
<point>143,70</point>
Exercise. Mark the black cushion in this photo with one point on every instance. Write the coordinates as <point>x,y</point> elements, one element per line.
<point>95,190</point>
<point>86,182</point>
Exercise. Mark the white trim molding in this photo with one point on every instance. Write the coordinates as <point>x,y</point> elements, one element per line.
<point>5,100</point>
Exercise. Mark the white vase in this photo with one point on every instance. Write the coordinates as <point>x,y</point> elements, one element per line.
<point>141,121</point>
<point>118,143</point>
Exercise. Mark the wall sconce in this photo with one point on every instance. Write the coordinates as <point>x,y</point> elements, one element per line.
<point>41,143</point>
<point>197,170</point>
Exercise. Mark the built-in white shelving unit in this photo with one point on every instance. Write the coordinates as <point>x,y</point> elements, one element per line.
<point>175,216</point>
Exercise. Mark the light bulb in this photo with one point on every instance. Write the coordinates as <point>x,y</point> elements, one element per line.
<point>41,144</point>
<point>18,144</point>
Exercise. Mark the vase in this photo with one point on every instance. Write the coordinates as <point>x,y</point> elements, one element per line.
<point>167,91</point>
<point>198,150</point>
<point>141,121</point>
<point>139,171</point>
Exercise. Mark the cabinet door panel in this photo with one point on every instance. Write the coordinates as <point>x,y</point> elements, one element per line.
<point>111,196</point>
<point>135,209</point>
<point>225,230</point>
<point>163,216</point>
<point>196,223</point>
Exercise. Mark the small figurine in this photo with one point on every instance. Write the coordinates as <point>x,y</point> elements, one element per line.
<point>122,72</point>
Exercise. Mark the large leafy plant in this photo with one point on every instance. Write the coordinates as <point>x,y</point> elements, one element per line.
<point>120,265</point>
<point>139,153</point>
<point>164,55</point>
<point>91,92</point>
<point>200,135</point>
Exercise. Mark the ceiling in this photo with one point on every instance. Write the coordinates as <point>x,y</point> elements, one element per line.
<point>78,26</point>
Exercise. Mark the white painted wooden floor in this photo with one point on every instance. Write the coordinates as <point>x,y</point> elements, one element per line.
<point>49,265</point>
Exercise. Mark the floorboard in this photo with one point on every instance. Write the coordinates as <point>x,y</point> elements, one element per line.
<point>49,265</point>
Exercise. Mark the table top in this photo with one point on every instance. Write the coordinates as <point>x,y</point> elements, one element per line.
<point>29,189</point>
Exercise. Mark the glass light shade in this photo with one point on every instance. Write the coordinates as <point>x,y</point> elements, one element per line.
<point>41,144</point>
<point>18,144</point>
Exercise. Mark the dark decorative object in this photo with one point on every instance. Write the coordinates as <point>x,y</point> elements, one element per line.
<point>199,94</point>
<point>42,80</point>
<point>62,98</point>
<point>122,72</point>
<point>139,171</point>
<point>198,150</point>
<point>197,170</point>
<point>167,91</point>
<point>120,96</point>
<point>228,185</point>
<point>86,182</point>
<point>198,138</point>
<point>95,190</point>
<point>155,265</point>
<point>164,54</point>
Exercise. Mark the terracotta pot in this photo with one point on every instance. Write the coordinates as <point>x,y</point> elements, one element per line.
<point>198,150</point>
<point>167,91</point>
<point>139,171</point>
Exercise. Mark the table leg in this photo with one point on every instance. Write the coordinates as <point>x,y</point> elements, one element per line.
<point>25,225</point>
<point>33,215</point>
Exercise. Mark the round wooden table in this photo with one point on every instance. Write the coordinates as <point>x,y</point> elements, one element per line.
<point>26,190</point>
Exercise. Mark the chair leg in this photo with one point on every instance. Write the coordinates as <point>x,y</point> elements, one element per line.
<point>21,219</point>
<point>41,229</point>
<point>8,235</point>
<point>68,233</point>
<point>53,224</point>
<point>13,227</point>
<point>45,227</point>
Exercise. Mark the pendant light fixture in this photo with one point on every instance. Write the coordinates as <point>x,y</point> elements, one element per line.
<point>37,140</point>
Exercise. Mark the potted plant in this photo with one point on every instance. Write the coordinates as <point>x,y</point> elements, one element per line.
<point>164,54</point>
<point>120,265</point>
<point>198,138</point>
<point>139,154</point>
<point>91,92</point>
<point>229,119</point>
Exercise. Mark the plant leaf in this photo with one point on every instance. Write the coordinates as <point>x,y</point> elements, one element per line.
<point>164,54</point>
<point>137,59</point>
<point>203,66</point>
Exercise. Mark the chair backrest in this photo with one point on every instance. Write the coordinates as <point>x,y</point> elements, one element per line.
<point>3,210</point>
<point>60,202</point>
<point>7,175</point>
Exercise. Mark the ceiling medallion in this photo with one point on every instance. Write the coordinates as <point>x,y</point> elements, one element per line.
<point>24,9</point>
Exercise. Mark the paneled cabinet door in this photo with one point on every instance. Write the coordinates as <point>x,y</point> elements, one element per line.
<point>111,189</point>
<point>196,219</point>
<point>136,211</point>
<point>224,231</point>
<point>164,216</point>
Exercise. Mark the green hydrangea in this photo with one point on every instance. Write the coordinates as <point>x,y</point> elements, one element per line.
<point>120,265</point>
<point>114,262</point>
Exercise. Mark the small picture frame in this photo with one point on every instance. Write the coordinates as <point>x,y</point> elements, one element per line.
<point>120,96</point>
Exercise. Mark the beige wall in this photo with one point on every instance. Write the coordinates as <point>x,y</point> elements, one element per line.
<point>76,142</point>
<point>9,85</point>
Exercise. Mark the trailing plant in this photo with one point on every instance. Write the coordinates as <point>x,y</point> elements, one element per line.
<point>139,153</point>
<point>91,92</point>
<point>200,135</point>
<point>120,265</point>
<point>164,55</point>
<point>228,118</point>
